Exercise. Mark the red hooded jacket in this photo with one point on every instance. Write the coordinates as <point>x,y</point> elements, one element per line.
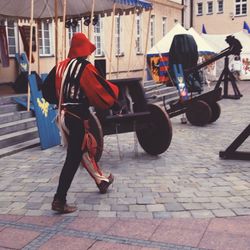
<point>100,93</point>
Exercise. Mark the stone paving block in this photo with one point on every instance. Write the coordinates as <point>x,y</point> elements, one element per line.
<point>223,212</point>
<point>126,201</point>
<point>20,211</point>
<point>237,199</point>
<point>174,206</point>
<point>156,208</point>
<point>202,214</point>
<point>145,200</point>
<point>137,229</point>
<point>137,208</point>
<point>162,215</point>
<point>16,238</point>
<point>192,206</point>
<point>119,207</point>
<point>209,205</point>
<point>241,211</point>
<point>66,242</point>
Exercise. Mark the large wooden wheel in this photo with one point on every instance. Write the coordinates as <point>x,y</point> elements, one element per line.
<point>156,134</point>
<point>216,111</point>
<point>199,113</point>
<point>96,130</point>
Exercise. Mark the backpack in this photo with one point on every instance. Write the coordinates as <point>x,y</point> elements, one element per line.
<point>48,88</point>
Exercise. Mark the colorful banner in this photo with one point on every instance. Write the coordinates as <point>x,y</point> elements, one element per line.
<point>159,66</point>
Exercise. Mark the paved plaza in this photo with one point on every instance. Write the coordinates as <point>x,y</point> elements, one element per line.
<point>186,198</point>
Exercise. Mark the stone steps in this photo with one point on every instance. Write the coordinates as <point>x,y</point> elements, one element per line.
<point>18,129</point>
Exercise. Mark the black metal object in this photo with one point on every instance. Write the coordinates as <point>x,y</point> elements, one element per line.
<point>226,75</point>
<point>232,153</point>
<point>210,98</point>
<point>151,123</point>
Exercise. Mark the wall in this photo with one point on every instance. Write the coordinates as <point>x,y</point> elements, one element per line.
<point>222,23</point>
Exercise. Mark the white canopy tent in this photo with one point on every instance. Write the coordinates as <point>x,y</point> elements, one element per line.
<point>163,46</point>
<point>161,49</point>
<point>219,43</point>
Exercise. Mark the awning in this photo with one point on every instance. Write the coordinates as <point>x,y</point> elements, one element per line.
<point>44,9</point>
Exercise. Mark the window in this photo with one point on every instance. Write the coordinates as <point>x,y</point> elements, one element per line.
<point>240,7</point>
<point>11,32</point>
<point>164,26</point>
<point>152,31</point>
<point>119,51</point>
<point>209,7</point>
<point>220,6</point>
<point>199,9</point>
<point>44,33</point>
<point>139,34</point>
<point>73,29</point>
<point>98,37</point>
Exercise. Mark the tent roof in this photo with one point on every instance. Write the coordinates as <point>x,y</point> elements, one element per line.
<point>164,44</point>
<point>44,9</point>
<point>219,43</point>
<point>202,44</point>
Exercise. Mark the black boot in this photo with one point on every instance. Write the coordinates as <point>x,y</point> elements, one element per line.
<point>62,207</point>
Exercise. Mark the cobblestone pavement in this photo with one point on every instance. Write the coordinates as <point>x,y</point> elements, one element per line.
<point>189,184</point>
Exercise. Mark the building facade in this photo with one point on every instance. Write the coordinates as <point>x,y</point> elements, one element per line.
<point>123,52</point>
<point>219,16</point>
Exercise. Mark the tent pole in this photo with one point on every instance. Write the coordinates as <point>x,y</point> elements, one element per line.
<point>56,30</point>
<point>64,30</point>
<point>146,47</point>
<point>131,41</point>
<point>111,42</point>
<point>38,52</point>
<point>91,19</point>
<point>30,49</point>
<point>90,27</point>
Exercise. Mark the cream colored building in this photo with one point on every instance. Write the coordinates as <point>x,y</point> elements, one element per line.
<point>220,16</point>
<point>128,40</point>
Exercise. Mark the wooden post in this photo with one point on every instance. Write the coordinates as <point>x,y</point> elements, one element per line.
<point>38,52</point>
<point>146,47</point>
<point>90,27</point>
<point>91,20</point>
<point>64,30</point>
<point>56,30</point>
<point>111,42</point>
<point>30,49</point>
<point>131,40</point>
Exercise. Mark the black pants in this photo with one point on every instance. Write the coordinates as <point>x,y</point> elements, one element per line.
<point>74,155</point>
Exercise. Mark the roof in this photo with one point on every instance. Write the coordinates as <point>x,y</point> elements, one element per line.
<point>163,46</point>
<point>219,43</point>
<point>44,9</point>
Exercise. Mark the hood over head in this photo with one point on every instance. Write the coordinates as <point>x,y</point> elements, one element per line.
<point>80,46</point>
